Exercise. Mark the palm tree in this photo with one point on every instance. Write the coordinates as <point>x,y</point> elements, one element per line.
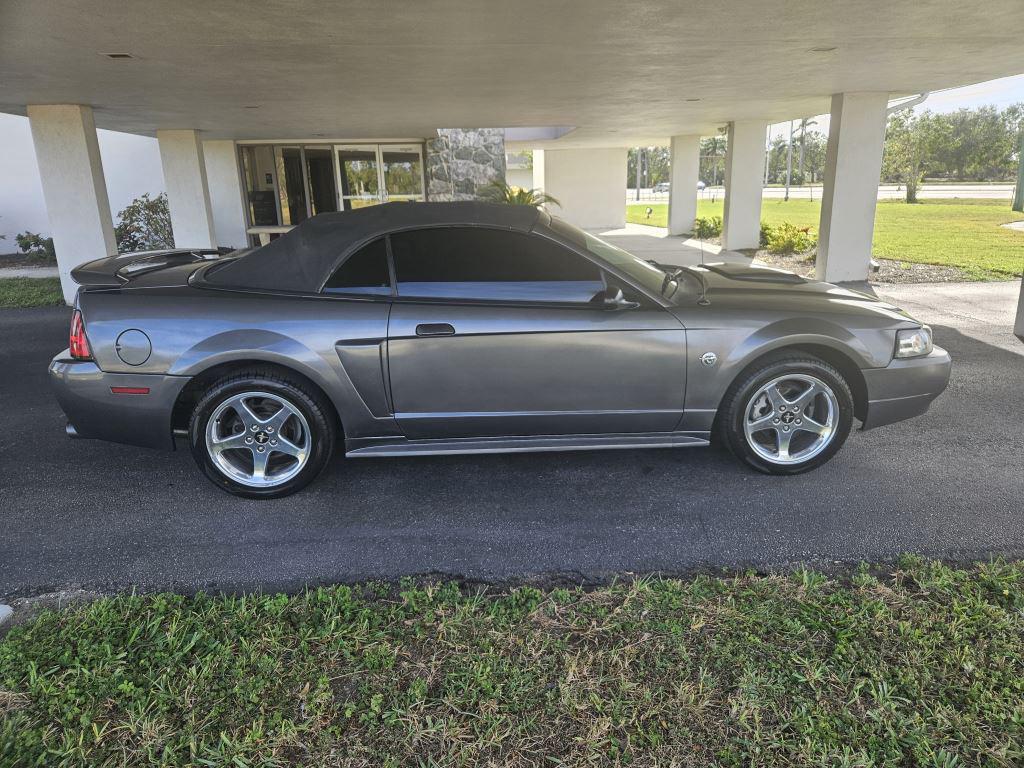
<point>499,191</point>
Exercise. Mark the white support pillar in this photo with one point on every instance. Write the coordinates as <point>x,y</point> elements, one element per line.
<point>744,164</point>
<point>684,174</point>
<point>188,195</point>
<point>853,164</point>
<point>74,189</point>
<point>227,199</point>
<point>590,184</point>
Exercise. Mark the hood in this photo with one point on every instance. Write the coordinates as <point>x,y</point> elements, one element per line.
<point>747,285</point>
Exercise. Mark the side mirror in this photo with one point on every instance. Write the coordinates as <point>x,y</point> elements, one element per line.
<point>613,298</point>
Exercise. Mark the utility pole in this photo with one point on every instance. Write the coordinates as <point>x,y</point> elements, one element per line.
<point>789,159</point>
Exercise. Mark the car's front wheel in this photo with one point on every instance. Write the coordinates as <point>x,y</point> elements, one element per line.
<point>260,435</point>
<point>790,415</point>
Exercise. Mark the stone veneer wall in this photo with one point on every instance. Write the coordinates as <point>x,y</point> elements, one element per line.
<point>462,162</point>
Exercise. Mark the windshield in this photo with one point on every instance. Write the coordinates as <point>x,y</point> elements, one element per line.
<point>651,277</point>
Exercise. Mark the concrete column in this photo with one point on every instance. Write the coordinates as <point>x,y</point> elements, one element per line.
<point>853,164</point>
<point>188,195</point>
<point>590,184</point>
<point>744,164</point>
<point>684,173</point>
<point>74,189</point>
<point>227,198</point>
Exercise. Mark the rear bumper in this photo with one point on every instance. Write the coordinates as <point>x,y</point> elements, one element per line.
<point>905,388</point>
<point>94,411</point>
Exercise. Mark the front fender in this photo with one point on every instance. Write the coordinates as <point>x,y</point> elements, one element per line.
<point>867,349</point>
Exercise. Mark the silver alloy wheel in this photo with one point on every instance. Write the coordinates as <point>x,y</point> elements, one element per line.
<point>258,439</point>
<point>791,419</point>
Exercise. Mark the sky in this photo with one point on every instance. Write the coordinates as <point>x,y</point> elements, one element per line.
<point>1000,93</point>
<point>131,164</point>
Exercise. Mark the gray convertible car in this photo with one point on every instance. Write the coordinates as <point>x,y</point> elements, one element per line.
<point>435,328</point>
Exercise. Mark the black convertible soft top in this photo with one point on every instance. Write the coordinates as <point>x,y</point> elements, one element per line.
<point>303,258</point>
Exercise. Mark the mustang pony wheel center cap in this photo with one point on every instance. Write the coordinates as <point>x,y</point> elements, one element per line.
<point>262,437</point>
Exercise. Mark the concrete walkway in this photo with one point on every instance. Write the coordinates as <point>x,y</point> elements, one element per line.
<point>655,243</point>
<point>6,272</point>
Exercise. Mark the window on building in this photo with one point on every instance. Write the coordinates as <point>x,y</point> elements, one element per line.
<point>261,195</point>
<point>364,272</point>
<point>491,265</point>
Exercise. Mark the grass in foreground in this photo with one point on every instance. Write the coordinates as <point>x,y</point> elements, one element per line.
<point>923,667</point>
<point>21,292</point>
<point>957,233</point>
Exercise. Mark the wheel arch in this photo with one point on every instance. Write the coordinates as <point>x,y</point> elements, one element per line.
<point>842,361</point>
<point>201,381</point>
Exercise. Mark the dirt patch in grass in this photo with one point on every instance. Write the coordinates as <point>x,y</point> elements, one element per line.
<point>920,665</point>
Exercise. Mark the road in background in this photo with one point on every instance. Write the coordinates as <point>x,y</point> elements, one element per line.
<point>885,192</point>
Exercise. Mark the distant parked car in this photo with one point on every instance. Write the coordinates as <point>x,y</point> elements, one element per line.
<point>414,329</point>
<point>663,187</point>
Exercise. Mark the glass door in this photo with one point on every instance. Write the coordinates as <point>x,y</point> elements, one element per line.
<point>369,174</point>
<point>402,171</point>
<point>359,176</point>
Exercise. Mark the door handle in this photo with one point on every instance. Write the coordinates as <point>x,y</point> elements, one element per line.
<point>435,329</point>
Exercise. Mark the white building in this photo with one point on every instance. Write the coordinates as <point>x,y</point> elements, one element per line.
<point>267,113</point>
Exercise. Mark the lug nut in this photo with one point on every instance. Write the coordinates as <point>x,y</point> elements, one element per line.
<point>270,429</point>
<point>273,442</point>
<point>776,421</point>
<point>785,429</point>
<point>248,441</point>
<point>261,449</point>
<point>799,421</point>
<point>254,427</point>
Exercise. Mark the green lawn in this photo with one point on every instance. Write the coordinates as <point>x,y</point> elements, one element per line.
<point>959,233</point>
<point>922,665</point>
<point>30,292</point>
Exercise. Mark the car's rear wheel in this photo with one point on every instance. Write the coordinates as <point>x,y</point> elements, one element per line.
<point>259,434</point>
<point>787,416</point>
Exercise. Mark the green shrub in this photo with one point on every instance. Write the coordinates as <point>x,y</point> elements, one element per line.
<point>710,226</point>
<point>787,238</point>
<point>36,246</point>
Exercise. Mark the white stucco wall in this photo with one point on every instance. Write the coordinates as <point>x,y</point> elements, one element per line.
<point>590,184</point>
<point>226,197</point>
<point>519,177</point>
<point>188,195</point>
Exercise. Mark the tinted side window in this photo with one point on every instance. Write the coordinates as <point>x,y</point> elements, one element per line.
<point>490,264</point>
<point>364,272</point>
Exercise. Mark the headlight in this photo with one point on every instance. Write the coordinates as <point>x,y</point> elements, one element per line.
<point>914,342</point>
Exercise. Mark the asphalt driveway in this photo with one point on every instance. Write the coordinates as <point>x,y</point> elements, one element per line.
<point>97,516</point>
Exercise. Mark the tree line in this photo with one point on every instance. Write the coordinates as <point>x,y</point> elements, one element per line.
<point>980,144</point>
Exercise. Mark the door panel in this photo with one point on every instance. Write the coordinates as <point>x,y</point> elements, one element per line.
<point>535,370</point>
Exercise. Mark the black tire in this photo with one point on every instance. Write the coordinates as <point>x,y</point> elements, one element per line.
<point>729,427</point>
<point>318,415</point>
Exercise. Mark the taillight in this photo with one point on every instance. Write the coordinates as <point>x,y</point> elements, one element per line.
<point>78,344</point>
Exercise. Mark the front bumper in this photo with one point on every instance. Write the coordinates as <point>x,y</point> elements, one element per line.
<point>94,411</point>
<point>905,388</point>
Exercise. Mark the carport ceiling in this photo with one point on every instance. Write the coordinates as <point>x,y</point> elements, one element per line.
<point>621,73</point>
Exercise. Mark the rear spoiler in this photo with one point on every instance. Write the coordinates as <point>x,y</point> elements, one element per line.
<point>115,271</point>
